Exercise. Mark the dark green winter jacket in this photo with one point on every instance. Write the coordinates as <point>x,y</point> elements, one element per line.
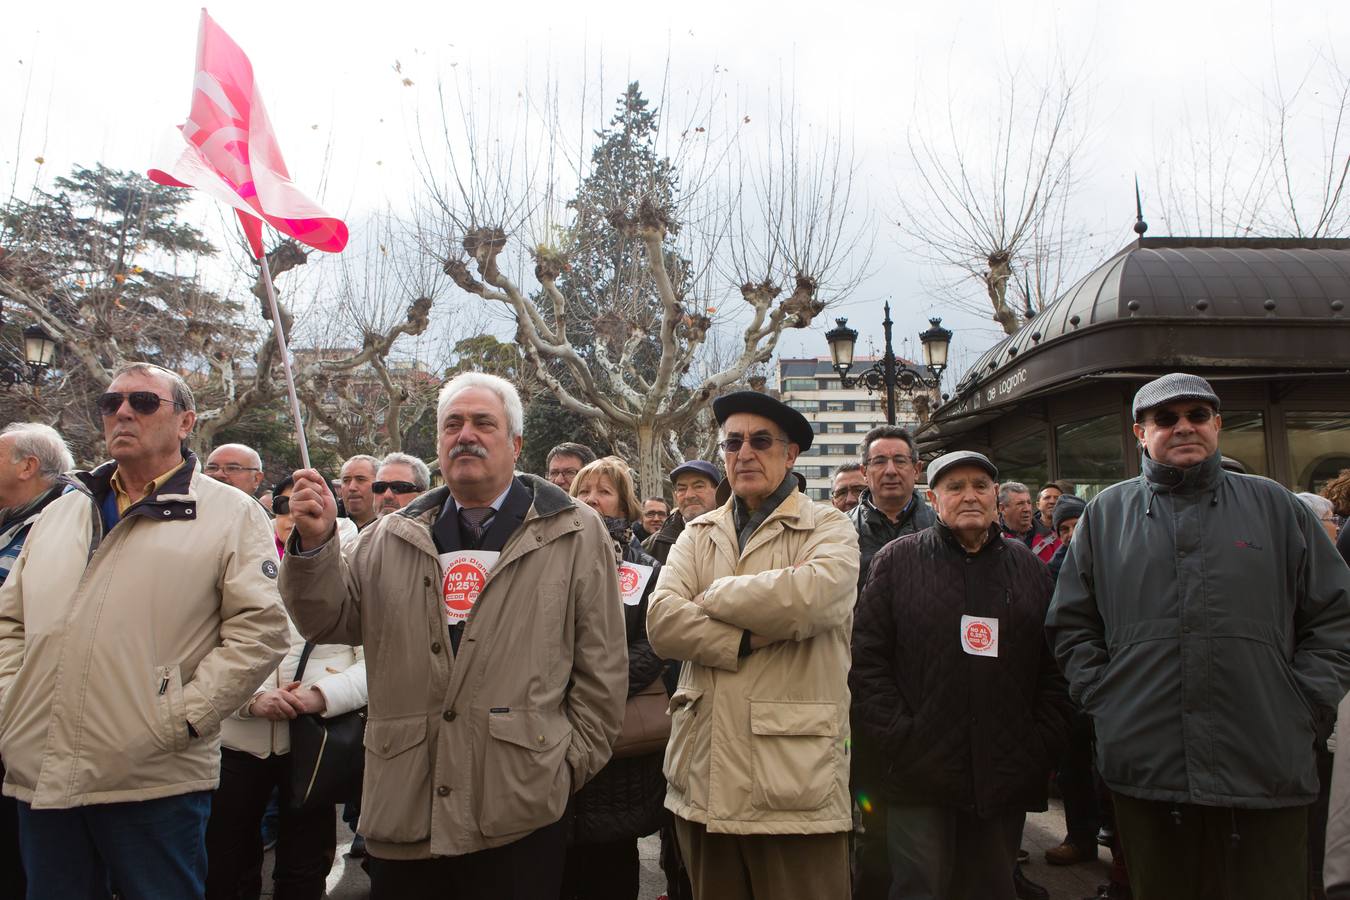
<point>1202,619</point>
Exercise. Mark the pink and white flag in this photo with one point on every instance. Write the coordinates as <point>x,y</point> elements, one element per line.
<point>232,154</point>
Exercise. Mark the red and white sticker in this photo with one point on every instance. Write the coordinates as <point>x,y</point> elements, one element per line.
<point>633,580</point>
<point>463,574</point>
<point>979,636</point>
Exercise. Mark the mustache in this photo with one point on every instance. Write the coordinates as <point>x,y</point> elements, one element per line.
<point>472,449</point>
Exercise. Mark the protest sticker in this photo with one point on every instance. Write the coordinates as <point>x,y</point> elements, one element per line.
<point>633,580</point>
<point>464,573</point>
<point>979,636</point>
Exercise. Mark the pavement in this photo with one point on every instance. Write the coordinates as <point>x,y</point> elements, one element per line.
<point>347,880</point>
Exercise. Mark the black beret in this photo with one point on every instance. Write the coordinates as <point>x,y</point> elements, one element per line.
<point>794,423</point>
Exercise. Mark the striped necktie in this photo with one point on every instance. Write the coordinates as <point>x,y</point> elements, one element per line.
<point>474,521</point>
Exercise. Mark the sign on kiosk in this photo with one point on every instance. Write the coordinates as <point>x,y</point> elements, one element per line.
<point>464,573</point>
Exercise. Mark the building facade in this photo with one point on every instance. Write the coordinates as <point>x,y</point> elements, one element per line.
<point>840,416</point>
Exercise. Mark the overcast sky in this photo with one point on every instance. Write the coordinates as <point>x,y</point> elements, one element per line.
<point>100,82</point>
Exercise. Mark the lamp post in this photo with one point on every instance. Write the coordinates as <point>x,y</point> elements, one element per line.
<point>936,341</point>
<point>885,374</point>
<point>39,353</point>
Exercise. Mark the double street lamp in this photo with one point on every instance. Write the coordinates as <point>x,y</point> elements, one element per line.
<point>887,374</point>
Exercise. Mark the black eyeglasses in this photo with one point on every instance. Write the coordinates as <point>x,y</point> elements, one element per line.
<point>1198,416</point>
<point>398,487</point>
<point>879,462</point>
<point>756,441</point>
<point>854,490</point>
<point>143,402</point>
<point>281,505</point>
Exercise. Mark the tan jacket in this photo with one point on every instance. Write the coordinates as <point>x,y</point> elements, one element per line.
<point>110,645</point>
<point>337,670</point>
<point>476,750</point>
<point>1336,866</point>
<point>759,745</point>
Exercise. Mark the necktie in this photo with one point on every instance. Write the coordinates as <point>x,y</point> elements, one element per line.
<point>474,521</point>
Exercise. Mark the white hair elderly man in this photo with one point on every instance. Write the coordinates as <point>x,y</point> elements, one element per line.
<point>401,477</point>
<point>33,461</point>
<point>489,707</point>
<point>237,465</point>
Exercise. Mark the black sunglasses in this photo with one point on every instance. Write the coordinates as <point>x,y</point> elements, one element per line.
<point>281,505</point>
<point>143,402</point>
<point>756,441</point>
<point>1198,416</point>
<point>398,487</point>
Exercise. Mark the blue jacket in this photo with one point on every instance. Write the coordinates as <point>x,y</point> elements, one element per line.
<point>1202,619</point>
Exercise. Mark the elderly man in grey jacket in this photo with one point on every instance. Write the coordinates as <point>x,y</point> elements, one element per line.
<point>1203,620</point>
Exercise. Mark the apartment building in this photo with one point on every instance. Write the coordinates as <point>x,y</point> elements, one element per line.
<point>839,415</point>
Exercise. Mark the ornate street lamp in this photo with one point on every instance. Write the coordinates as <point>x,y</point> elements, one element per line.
<point>39,354</point>
<point>886,374</point>
<point>936,341</point>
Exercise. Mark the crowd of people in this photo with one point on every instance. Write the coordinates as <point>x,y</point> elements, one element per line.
<point>861,698</point>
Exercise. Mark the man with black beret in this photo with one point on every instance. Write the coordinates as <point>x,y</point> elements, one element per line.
<point>757,598</point>
<point>1202,618</point>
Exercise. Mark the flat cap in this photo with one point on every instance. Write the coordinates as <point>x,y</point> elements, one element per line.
<point>959,458</point>
<point>1066,508</point>
<point>1170,388</point>
<point>696,467</point>
<point>785,417</point>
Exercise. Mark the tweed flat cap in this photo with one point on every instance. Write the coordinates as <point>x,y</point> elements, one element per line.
<point>958,458</point>
<point>1066,508</point>
<point>1170,388</point>
<point>792,422</point>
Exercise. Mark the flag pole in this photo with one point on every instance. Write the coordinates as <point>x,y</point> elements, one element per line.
<point>280,331</point>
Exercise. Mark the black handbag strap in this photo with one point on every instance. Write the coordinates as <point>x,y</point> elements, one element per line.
<point>304,658</point>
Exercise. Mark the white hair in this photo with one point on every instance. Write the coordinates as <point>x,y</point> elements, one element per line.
<point>421,472</point>
<point>364,458</point>
<point>1321,507</point>
<point>505,391</point>
<point>42,442</point>
<point>242,448</point>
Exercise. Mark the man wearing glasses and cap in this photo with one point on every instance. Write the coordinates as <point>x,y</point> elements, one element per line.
<point>1202,618</point>
<point>757,598</point>
<point>142,612</point>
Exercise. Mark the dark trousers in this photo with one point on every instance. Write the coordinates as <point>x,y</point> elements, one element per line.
<point>12,885</point>
<point>528,869</point>
<point>151,849</point>
<point>606,871</point>
<point>1078,787</point>
<point>937,852</point>
<point>1184,852</point>
<point>764,866</point>
<point>871,862</point>
<point>306,842</point>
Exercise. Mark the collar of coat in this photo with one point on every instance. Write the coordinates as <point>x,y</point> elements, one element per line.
<point>547,502</point>
<point>993,545</point>
<point>1202,476</point>
<point>795,512</point>
<point>174,500</point>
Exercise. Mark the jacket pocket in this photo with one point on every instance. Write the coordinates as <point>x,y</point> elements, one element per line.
<point>522,764</point>
<point>683,709</point>
<point>793,753</point>
<point>171,726</point>
<point>396,788</point>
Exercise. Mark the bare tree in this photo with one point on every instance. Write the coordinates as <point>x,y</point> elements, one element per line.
<point>1277,168</point>
<point>692,213</point>
<point>991,202</point>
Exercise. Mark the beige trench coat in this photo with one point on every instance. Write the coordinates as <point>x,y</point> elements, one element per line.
<point>759,745</point>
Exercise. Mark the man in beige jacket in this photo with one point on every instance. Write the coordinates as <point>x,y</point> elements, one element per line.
<point>142,611</point>
<point>482,725</point>
<point>757,598</point>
